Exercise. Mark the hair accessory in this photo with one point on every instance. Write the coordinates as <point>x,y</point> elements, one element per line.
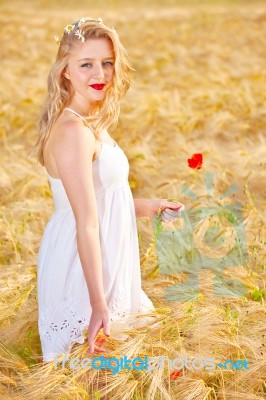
<point>57,39</point>
<point>80,35</point>
<point>81,21</point>
<point>70,27</point>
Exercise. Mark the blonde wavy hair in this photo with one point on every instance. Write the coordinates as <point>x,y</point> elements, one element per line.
<point>102,114</point>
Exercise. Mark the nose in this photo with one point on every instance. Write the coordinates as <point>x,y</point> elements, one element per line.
<point>98,71</point>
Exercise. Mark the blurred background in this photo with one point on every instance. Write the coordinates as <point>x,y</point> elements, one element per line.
<point>199,87</point>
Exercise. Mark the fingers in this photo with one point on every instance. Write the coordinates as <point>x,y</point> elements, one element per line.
<point>106,328</point>
<point>98,346</point>
<point>174,205</point>
<point>170,214</point>
<point>97,349</point>
<point>91,346</point>
<point>174,212</point>
<point>92,335</point>
<point>94,347</point>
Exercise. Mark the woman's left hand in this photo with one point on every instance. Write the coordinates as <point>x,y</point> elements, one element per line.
<point>159,205</point>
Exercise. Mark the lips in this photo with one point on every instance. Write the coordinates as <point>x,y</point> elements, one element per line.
<point>98,86</point>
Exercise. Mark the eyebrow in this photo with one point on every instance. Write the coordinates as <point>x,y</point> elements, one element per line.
<point>106,58</point>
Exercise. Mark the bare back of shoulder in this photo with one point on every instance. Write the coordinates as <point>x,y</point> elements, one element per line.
<point>56,138</point>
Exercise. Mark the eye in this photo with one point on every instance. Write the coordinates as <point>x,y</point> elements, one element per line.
<point>108,63</point>
<point>86,64</point>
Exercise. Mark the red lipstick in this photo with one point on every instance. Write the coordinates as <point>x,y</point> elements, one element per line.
<point>98,86</point>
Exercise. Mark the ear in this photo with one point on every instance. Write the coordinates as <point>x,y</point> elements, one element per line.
<point>66,74</point>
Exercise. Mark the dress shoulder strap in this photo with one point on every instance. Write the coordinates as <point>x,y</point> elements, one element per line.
<point>70,109</point>
<point>86,123</point>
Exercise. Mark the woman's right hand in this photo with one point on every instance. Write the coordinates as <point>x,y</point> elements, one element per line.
<point>100,318</point>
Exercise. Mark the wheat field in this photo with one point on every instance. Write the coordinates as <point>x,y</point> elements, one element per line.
<point>199,87</point>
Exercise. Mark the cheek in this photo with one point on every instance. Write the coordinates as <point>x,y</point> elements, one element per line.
<point>79,77</point>
<point>111,74</point>
<point>82,73</point>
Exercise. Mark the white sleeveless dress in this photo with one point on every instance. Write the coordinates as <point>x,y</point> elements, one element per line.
<point>63,299</point>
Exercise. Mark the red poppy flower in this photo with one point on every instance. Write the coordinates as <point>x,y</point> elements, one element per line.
<point>175,375</point>
<point>195,161</point>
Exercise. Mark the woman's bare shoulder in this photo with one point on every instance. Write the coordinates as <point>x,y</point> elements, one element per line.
<point>63,123</point>
<point>69,125</point>
<point>66,133</point>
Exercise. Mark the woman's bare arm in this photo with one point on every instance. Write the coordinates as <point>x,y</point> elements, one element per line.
<point>73,153</point>
<point>145,207</point>
<point>149,207</point>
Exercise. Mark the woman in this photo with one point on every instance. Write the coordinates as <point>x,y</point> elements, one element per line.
<point>88,260</point>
